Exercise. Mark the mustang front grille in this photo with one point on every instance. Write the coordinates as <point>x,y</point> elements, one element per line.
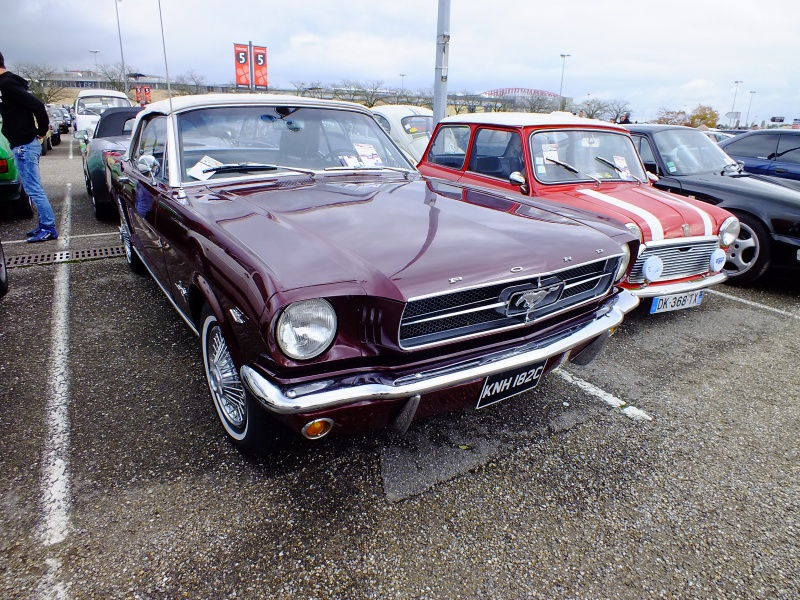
<point>499,306</point>
<point>680,260</point>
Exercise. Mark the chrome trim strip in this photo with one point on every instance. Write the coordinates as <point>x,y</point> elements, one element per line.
<point>587,280</point>
<point>651,291</point>
<point>685,241</point>
<point>277,399</point>
<point>454,314</point>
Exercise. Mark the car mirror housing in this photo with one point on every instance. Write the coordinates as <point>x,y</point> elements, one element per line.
<point>81,134</point>
<point>148,165</point>
<point>517,179</point>
<point>652,177</point>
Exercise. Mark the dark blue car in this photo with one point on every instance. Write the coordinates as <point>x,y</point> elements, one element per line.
<point>774,152</point>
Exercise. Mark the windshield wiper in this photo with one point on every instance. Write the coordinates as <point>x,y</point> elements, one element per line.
<point>572,169</point>
<point>245,167</point>
<point>605,161</point>
<point>734,170</point>
<point>369,168</point>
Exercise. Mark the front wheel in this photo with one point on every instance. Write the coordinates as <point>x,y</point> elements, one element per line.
<point>3,273</point>
<point>246,423</point>
<point>748,257</point>
<point>134,262</point>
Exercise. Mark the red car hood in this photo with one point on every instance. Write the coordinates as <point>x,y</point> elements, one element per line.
<point>658,214</point>
<point>398,240</point>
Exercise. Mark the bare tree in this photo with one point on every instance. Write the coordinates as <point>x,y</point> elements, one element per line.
<point>595,108</point>
<point>618,109</point>
<point>372,93</point>
<point>424,97</point>
<point>113,76</point>
<point>41,81</point>
<point>190,82</point>
<point>539,104</point>
<point>672,117</point>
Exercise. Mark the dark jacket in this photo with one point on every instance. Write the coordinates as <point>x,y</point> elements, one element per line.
<point>18,108</point>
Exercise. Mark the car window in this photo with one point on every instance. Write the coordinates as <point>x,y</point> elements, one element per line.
<point>128,126</point>
<point>789,149</point>
<point>496,153</point>
<point>448,146</point>
<point>754,146</point>
<point>384,122</point>
<point>96,105</point>
<point>153,141</point>
<point>418,125</point>
<point>689,152</point>
<point>585,155</point>
<point>645,151</point>
<point>302,137</point>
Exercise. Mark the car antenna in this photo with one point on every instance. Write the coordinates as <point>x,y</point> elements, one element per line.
<point>166,66</point>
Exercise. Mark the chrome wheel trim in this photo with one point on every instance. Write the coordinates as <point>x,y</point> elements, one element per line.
<point>226,388</point>
<point>744,252</point>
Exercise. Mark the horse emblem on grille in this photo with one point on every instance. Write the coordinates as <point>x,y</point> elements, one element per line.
<point>527,301</point>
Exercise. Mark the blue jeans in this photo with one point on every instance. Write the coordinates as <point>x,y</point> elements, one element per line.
<point>27,158</point>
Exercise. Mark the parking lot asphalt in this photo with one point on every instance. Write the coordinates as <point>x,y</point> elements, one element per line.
<point>668,468</point>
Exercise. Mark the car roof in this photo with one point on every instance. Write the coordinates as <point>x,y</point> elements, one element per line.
<point>402,110</point>
<point>181,103</point>
<point>524,119</point>
<point>99,92</point>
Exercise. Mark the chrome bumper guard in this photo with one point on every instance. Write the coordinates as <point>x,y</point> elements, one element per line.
<point>315,396</point>
<point>653,290</point>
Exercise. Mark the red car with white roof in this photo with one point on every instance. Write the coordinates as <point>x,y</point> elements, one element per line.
<point>590,165</point>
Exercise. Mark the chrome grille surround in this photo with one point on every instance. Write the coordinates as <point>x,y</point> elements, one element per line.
<point>470,312</point>
<point>683,257</point>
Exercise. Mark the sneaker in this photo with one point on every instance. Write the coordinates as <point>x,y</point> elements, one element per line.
<point>44,234</point>
<point>34,231</point>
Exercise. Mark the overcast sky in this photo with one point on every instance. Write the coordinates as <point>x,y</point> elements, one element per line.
<point>672,54</point>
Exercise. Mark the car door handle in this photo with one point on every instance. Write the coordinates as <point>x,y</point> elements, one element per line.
<point>781,170</point>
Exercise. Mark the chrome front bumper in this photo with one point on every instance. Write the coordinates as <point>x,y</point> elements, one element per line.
<point>326,394</point>
<point>653,290</point>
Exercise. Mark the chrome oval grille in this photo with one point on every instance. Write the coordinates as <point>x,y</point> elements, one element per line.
<point>680,260</point>
<point>473,311</point>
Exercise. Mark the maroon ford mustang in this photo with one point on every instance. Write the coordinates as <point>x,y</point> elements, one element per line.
<point>332,289</point>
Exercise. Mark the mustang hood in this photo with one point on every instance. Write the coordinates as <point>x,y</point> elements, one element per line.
<point>396,240</point>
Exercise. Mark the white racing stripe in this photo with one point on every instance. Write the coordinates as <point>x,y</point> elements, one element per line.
<point>55,500</point>
<point>629,411</point>
<point>785,313</point>
<point>656,230</point>
<point>708,224</point>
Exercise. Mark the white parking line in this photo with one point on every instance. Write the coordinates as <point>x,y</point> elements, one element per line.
<point>756,304</point>
<point>55,500</point>
<point>67,238</point>
<point>629,411</point>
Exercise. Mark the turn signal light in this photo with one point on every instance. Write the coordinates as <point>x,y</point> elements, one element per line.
<point>3,165</point>
<point>317,428</point>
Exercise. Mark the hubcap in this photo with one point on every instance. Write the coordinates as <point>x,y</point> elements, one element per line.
<point>743,253</point>
<point>223,380</point>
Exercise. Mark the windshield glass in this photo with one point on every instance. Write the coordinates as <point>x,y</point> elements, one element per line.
<point>585,155</point>
<point>95,105</point>
<point>688,152</point>
<point>299,137</point>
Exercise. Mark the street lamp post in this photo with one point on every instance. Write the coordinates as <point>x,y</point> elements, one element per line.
<point>747,120</point>
<point>402,86</point>
<point>121,55</point>
<point>733,106</point>
<point>95,58</point>
<point>561,86</point>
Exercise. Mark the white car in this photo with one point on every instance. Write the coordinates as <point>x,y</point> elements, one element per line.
<point>90,104</point>
<point>409,126</point>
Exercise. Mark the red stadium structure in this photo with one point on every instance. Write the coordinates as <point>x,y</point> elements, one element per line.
<point>502,92</point>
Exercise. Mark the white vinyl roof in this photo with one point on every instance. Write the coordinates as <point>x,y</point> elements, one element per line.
<point>525,119</point>
<point>181,103</point>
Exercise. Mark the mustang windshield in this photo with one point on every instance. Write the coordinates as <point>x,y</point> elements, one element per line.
<point>689,152</point>
<point>592,156</point>
<point>289,139</point>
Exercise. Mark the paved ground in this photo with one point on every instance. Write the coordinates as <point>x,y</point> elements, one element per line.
<point>118,483</point>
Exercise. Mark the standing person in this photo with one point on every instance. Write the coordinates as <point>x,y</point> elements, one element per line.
<point>25,123</point>
<point>626,119</point>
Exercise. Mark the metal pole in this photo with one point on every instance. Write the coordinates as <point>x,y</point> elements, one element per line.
<point>561,87</point>
<point>442,50</point>
<point>747,119</point>
<point>251,65</point>
<point>164,45</point>
<point>122,56</point>
<point>95,58</point>
<point>733,106</point>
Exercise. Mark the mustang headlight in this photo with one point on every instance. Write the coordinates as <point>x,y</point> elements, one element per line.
<point>729,231</point>
<point>635,230</point>
<point>623,262</point>
<point>306,329</point>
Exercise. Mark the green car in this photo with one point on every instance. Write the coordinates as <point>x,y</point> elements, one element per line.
<point>14,201</point>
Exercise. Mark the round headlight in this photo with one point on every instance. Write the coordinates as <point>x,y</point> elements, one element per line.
<point>729,231</point>
<point>305,329</point>
<point>635,230</point>
<point>623,262</point>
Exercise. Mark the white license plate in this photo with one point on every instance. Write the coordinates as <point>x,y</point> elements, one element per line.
<point>676,302</point>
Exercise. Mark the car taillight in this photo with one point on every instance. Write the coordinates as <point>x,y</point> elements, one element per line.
<point>3,165</point>
<point>112,156</point>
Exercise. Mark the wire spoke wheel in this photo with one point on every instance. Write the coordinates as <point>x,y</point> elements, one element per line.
<point>223,380</point>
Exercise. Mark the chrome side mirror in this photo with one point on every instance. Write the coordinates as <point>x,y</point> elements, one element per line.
<point>652,177</point>
<point>517,179</point>
<point>148,165</point>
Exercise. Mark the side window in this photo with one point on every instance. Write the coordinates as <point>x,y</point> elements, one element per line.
<point>789,149</point>
<point>755,146</point>
<point>153,140</point>
<point>646,152</point>
<point>496,153</point>
<point>448,146</point>
<point>383,122</point>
